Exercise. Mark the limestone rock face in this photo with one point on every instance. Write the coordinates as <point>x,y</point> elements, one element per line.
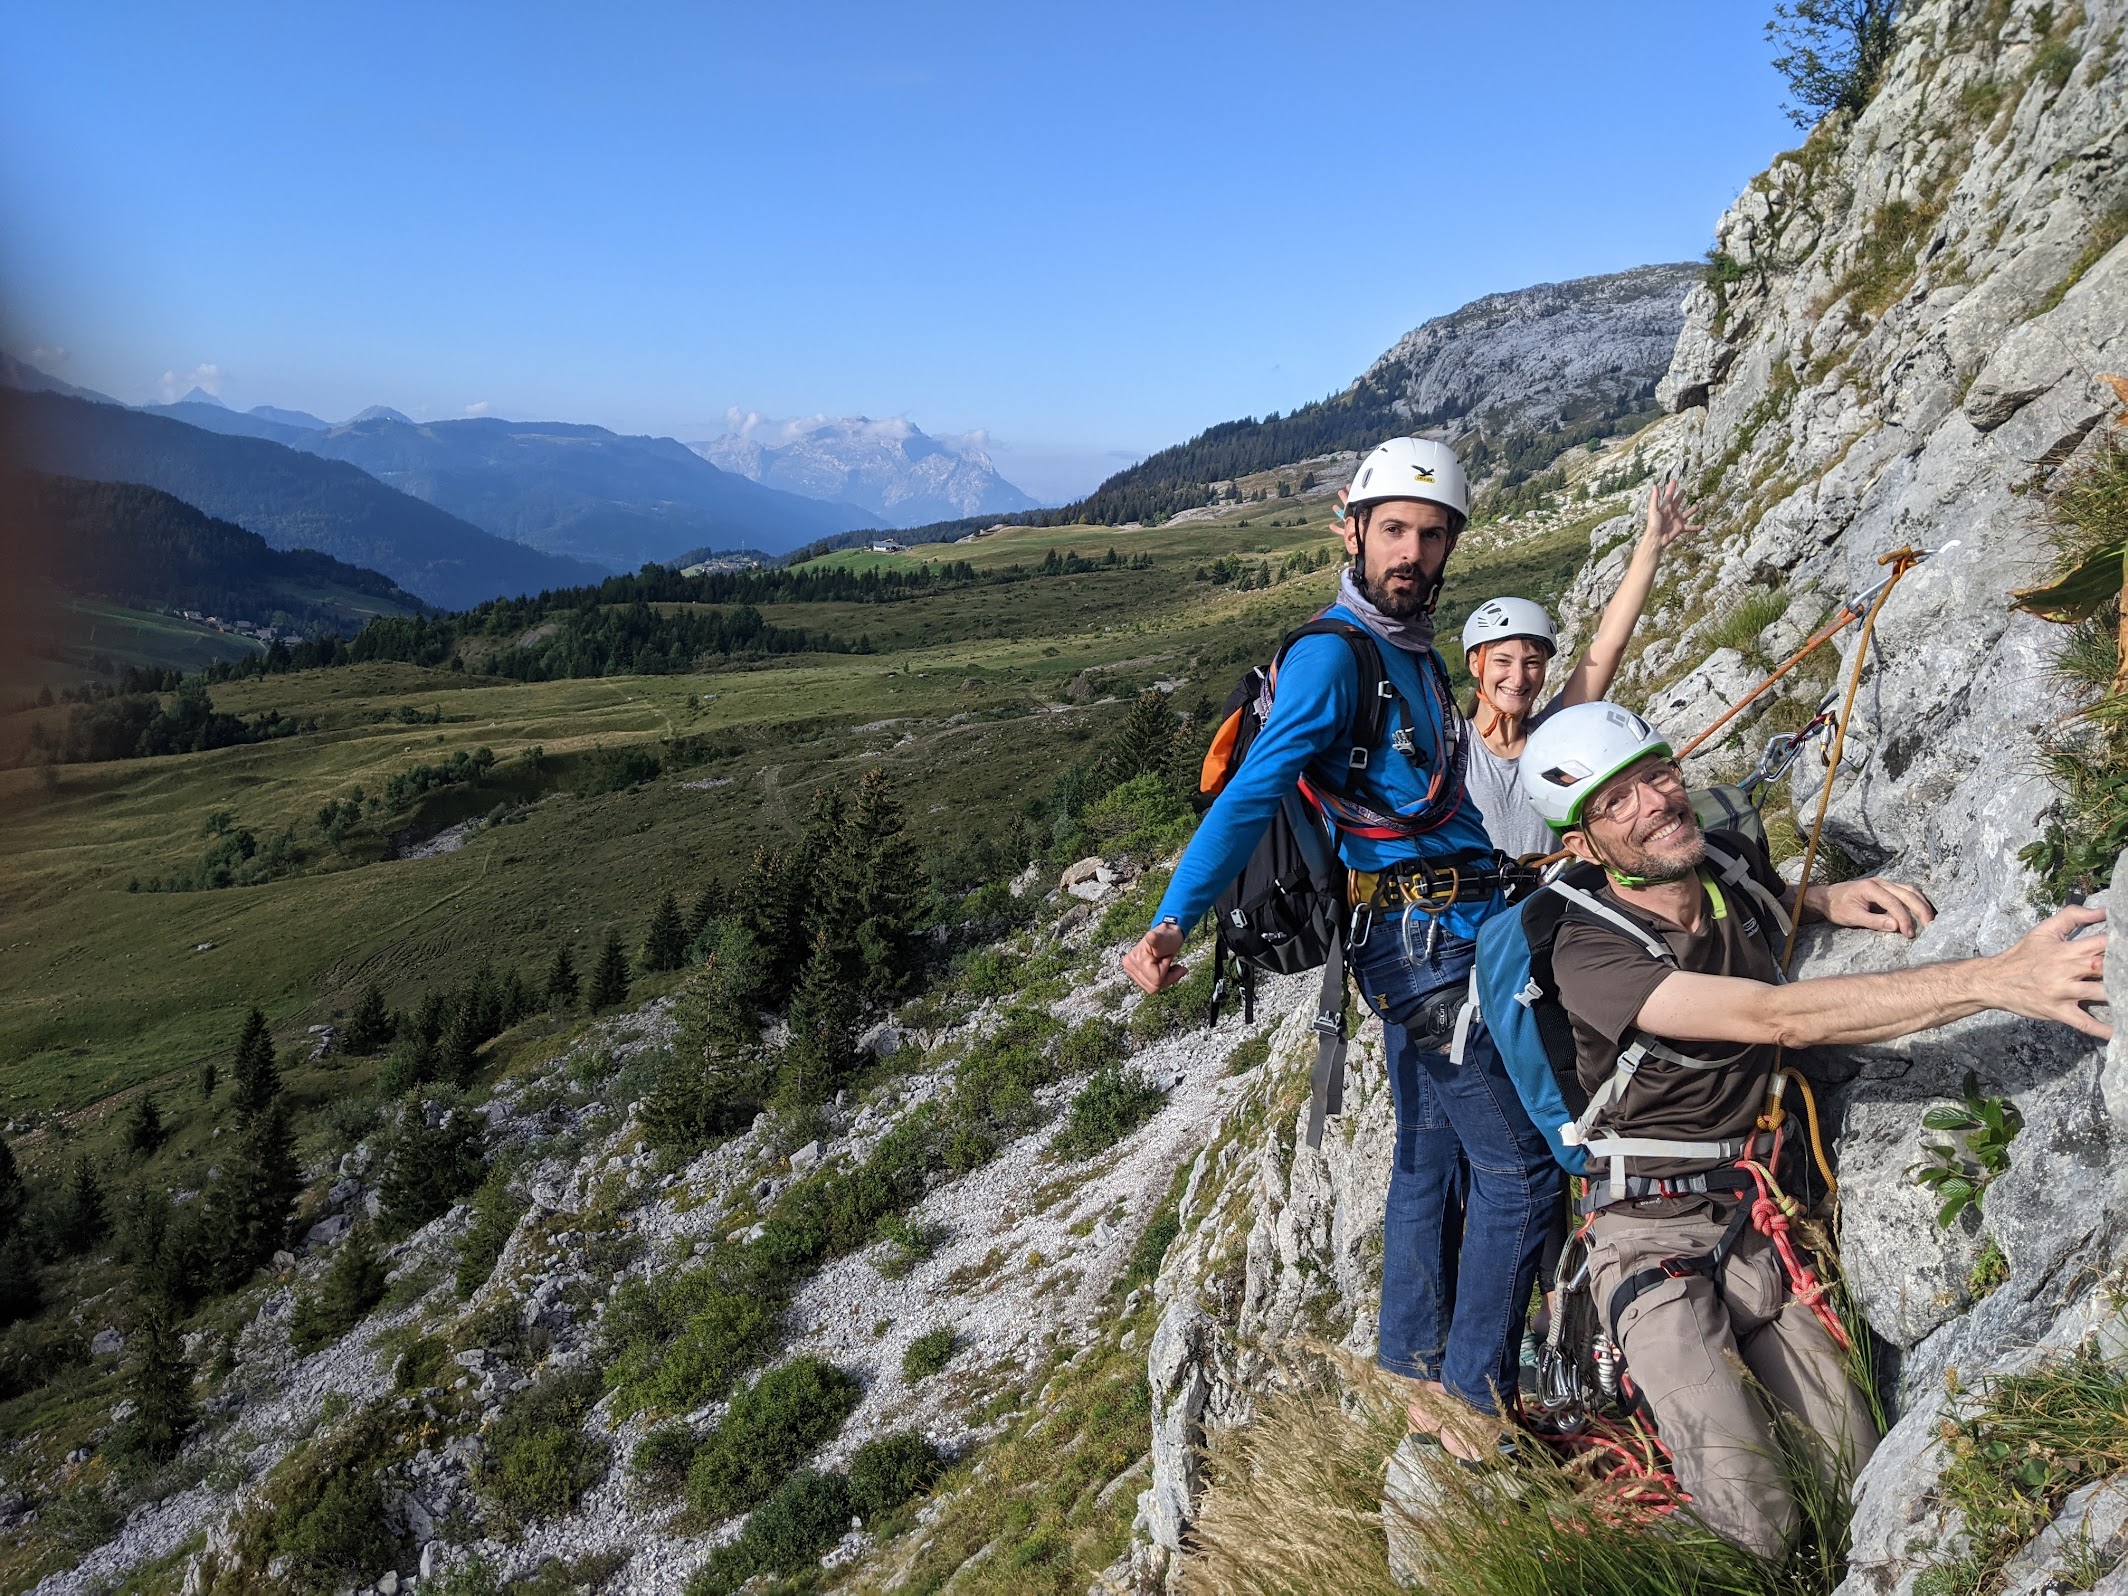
<point>1899,343</point>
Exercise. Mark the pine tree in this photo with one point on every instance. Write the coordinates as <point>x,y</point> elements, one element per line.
<point>776,896</point>
<point>258,1077</point>
<point>428,1166</point>
<point>353,1284</point>
<point>886,876</point>
<point>160,1385</point>
<point>248,1209</point>
<point>144,1128</point>
<point>517,1005</point>
<point>369,1029</point>
<point>665,948</point>
<point>20,1293</point>
<point>824,1014</point>
<point>209,1079</point>
<point>561,981</point>
<point>85,1216</point>
<point>711,902</point>
<point>14,1195</point>
<point>609,982</point>
<point>1147,743</point>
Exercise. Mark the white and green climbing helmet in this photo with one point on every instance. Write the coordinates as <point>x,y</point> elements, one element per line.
<point>1576,751</point>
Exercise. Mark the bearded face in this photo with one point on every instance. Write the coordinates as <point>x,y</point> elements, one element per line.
<point>1399,551</point>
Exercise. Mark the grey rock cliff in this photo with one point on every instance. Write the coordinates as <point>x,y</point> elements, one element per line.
<point>1902,340</point>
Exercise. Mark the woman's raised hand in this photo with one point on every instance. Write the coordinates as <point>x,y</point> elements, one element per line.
<point>1669,517</point>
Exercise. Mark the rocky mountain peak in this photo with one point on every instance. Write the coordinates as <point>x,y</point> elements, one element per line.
<point>891,467</point>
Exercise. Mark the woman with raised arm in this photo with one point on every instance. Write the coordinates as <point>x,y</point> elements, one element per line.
<point>1508,644</point>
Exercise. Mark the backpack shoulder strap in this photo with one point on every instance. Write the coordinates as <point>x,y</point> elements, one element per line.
<point>1736,872</point>
<point>1370,712</point>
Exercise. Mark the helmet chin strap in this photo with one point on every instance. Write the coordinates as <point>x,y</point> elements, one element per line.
<point>1621,878</point>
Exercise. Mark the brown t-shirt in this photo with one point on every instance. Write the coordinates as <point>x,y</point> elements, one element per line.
<point>1604,978</point>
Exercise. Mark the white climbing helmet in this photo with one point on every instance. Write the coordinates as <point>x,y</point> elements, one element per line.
<point>1578,750</point>
<point>1497,620</point>
<point>1412,468</point>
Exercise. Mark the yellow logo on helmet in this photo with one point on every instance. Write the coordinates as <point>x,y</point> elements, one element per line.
<point>1422,474</point>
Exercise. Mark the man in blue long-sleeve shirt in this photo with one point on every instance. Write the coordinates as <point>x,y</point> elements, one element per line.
<point>1451,1314</point>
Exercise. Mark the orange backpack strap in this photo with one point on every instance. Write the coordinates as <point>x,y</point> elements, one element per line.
<point>1219,758</point>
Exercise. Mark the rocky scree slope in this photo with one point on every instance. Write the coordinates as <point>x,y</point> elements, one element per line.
<point>1020,1263</point>
<point>1899,342</point>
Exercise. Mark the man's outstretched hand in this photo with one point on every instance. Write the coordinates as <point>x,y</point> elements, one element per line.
<point>1872,904</point>
<point>2045,975</point>
<point>1152,962</point>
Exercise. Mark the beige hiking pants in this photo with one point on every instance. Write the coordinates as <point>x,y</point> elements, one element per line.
<point>1708,1358</point>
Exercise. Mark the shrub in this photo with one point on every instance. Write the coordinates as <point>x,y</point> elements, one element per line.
<point>662,1458</point>
<point>685,1340</point>
<point>927,1354</point>
<point>1094,1044</point>
<point>538,1460</point>
<point>990,973</point>
<point>1108,1108</point>
<point>496,1211</point>
<point>1186,1004</point>
<point>909,1243</point>
<point>787,1415</point>
<point>325,1511</point>
<point>1144,816</point>
<point>804,1518</point>
<point>353,1284</point>
<point>889,1471</point>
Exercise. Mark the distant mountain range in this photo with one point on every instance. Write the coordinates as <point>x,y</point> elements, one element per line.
<point>143,548</point>
<point>900,474</point>
<point>290,498</point>
<point>578,491</point>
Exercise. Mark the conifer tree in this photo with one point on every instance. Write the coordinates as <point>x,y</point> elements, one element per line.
<point>353,1284</point>
<point>428,1166</point>
<point>665,948</point>
<point>144,1128</point>
<point>561,980</point>
<point>258,1077</point>
<point>609,982</point>
<point>435,1015</point>
<point>1147,743</point>
<point>209,1079</point>
<point>248,1209</point>
<point>709,903</point>
<point>887,889</point>
<point>517,1004</point>
<point>20,1295</point>
<point>777,896</point>
<point>14,1194</point>
<point>369,1029</point>
<point>85,1216</point>
<point>160,1385</point>
<point>824,1014</point>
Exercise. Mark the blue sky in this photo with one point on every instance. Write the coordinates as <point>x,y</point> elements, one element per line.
<point>1090,230</point>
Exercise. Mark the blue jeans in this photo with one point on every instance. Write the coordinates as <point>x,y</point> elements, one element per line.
<point>1452,1305</point>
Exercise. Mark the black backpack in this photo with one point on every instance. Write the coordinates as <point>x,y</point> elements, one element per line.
<point>1287,910</point>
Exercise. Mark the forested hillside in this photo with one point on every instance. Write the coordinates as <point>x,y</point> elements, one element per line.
<point>142,547</point>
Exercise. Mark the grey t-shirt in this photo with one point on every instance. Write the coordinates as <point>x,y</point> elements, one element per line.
<point>1494,787</point>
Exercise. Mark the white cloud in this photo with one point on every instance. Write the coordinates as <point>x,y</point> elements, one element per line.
<point>479,408</point>
<point>49,359</point>
<point>208,376</point>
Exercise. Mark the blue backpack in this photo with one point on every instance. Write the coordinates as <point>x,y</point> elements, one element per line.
<point>1512,987</point>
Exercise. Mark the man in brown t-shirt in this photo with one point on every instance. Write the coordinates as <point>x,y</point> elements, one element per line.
<point>1701,1025</point>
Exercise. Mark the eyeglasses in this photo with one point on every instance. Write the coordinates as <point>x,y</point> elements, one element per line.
<point>1614,805</point>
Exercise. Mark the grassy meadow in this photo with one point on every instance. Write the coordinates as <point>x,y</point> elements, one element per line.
<point>974,699</point>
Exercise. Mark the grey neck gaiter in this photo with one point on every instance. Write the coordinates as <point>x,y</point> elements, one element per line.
<point>1413,634</point>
